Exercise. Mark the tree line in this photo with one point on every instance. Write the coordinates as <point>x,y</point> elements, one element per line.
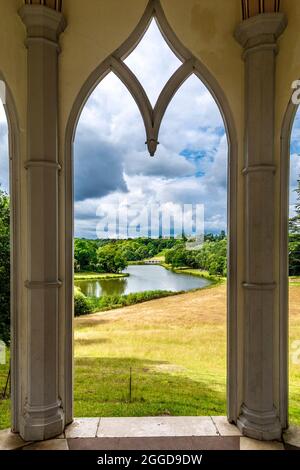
<point>114,255</point>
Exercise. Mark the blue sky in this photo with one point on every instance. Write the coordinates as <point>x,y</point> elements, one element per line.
<point>190,165</point>
<point>112,165</point>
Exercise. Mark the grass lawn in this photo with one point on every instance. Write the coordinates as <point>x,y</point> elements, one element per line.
<point>176,368</point>
<point>196,272</point>
<point>4,404</point>
<point>89,276</point>
<point>294,316</point>
<point>173,348</point>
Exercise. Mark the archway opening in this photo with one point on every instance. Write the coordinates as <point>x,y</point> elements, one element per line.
<point>294,273</point>
<point>167,356</point>
<point>5,324</point>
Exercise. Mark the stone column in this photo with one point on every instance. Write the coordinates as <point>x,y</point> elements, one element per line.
<point>42,413</point>
<point>259,415</point>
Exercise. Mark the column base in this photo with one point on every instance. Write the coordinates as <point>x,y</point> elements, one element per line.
<point>41,423</point>
<point>264,426</point>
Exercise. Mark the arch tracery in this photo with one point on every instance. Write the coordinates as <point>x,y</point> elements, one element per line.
<point>152,117</point>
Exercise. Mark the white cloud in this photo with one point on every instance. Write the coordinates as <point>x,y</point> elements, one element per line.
<point>190,165</point>
<point>4,161</point>
<point>153,62</point>
<point>294,177</point>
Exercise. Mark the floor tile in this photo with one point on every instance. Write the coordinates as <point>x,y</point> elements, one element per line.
<point>252,444</point>
<point>292,436</point>
<point>157,426</point>
<point>224,427</point>
<point>82,427</point>
<point>51,444</point>
<point>156,443</point>
<point>10,441</point>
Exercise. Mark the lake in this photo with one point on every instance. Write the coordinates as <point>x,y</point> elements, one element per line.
<point>142,278</point>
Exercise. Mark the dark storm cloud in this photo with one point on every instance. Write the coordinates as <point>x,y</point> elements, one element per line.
<point>98,169</point>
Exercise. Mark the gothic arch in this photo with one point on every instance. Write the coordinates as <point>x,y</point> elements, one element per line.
<point>15,223</point>
<point>285,141</point>
<point>152,118</point>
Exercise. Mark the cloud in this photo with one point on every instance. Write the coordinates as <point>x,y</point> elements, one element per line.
<point>4,160</point>
<point>167,164</point>
<point>294,177</point>
<point>190,166</point>
<point>98,169</point>
<point>112,165</point>
<point>153,62</point>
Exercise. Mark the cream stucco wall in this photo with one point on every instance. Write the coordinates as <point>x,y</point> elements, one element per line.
<point>287,70</point>
<point>95,28</point>
<point>94,31</point>
<point>13,54</point>
<point>288,60</point>
<point>206,28</point>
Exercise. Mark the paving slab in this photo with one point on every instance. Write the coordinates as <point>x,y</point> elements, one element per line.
<point>51,444</point>
<point>10,441</point>
<point>224,428</point>
<point>252,444</point>
<point>164,426</point>
<point>82,427</point>
<point>157,443</point>
<point>292,436</point>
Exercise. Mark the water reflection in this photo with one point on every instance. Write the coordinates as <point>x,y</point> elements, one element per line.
<point>142,278</point>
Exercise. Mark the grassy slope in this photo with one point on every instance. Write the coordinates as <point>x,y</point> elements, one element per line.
<point>177,369</point>
<point>176,348</point>
<point>294,330</point>
<point>195,272</point>
<point>4,404</point>
<point>89,276</point>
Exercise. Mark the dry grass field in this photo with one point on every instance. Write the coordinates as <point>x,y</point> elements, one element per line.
<point>165,356</point>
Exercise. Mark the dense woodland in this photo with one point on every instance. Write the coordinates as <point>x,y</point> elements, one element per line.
<point>112,256</point>
<point>4,268</point>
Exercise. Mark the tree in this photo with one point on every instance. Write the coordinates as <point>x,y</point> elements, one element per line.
<point>4,268</point>
<point>294,222</point>
<point>110,259</point>
<point>85,255</point>
<point>294,238</point>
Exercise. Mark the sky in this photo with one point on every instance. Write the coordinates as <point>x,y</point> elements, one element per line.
<point>189,167</point>
<point>112,168</point>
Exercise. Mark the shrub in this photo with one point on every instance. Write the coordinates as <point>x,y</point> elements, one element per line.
<point>4,269</point>
<point>85,305</point>
<point>82,304</point>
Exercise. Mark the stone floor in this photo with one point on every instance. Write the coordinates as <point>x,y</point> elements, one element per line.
<point>153,433</point>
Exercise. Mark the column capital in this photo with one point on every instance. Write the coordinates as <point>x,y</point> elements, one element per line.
<point>260,30</point>
<point>42,22</point>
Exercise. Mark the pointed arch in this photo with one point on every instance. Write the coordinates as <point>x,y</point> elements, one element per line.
<point>285,147</point>
<point>152,118</point>
<point>15,250</point>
